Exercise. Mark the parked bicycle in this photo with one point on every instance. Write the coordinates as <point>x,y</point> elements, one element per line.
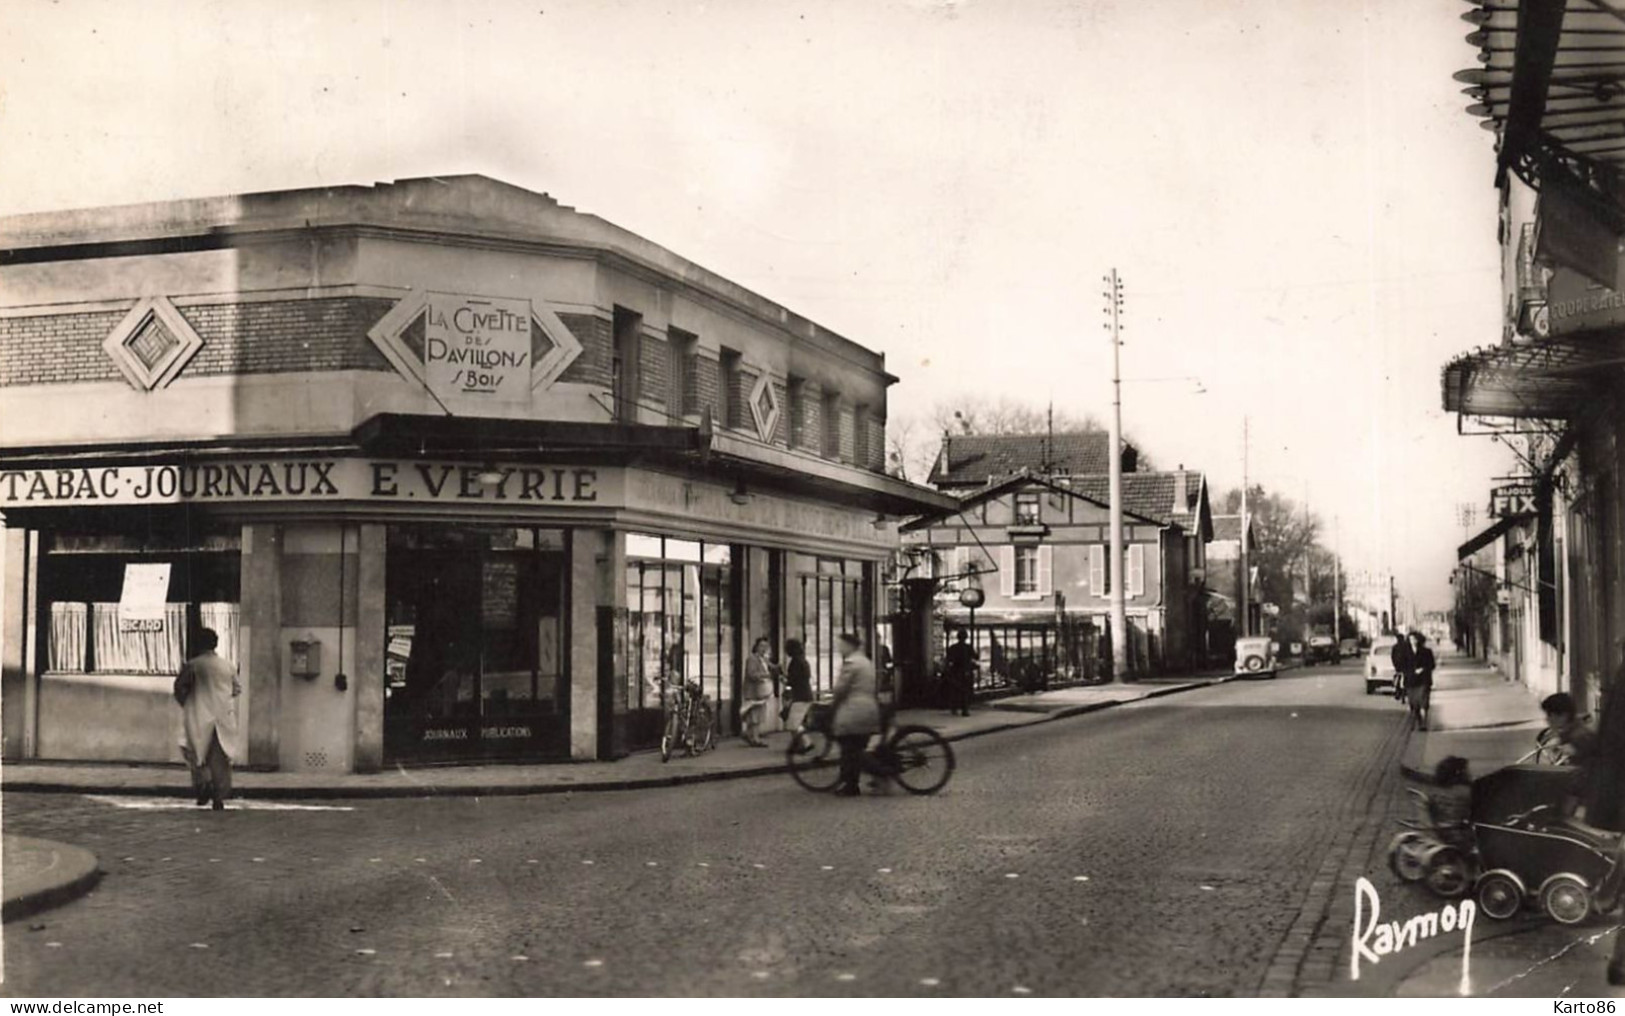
<point>691,723</point>
<point>917,758</point>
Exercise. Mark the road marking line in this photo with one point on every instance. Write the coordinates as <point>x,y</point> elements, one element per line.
<point>1021,990</point>
<point>442,956</point>
<point>366,952</point>
<point>827,867</point>
<point>53,945</point>
<point>176,804</point>
<point>1080,878</point>
<point>200,945</point>
<point>519,959</point>
<point>929,982</point>
<point>846,977</point>
<point>593,963</point>
<point>884,871</point>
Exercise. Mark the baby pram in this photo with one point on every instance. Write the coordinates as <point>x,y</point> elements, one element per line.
<point>1519,848</point>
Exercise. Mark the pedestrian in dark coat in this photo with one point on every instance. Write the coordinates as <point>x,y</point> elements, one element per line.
<point>798,679</point>
<point>1419,680</point>
<point>1400,656</point>
<point>960,663</point>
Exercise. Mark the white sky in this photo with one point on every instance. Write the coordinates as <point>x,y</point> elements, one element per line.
<point>1301,209</point>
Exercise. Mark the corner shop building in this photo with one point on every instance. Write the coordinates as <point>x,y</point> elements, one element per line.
<point>456,472</point>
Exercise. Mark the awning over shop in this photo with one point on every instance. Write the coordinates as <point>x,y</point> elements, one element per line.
<point>1552,379</point>
<point>720,453</point>
<point>1552,80</point>
<point>1489,536</point>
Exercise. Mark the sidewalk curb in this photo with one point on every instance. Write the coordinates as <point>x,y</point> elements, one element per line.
<point>86,873</point>
<point>332,793</point>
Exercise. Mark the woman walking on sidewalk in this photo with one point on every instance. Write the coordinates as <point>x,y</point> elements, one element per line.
<point>1419,680</point>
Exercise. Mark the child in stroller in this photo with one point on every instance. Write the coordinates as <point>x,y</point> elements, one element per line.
<point>1438,847</point>
<point>1517,846</point>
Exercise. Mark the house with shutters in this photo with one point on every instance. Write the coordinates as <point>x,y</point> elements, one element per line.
<point>1035,541</point>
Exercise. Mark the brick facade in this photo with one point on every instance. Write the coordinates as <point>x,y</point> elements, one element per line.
<point>597,349</point>
<point>811,436</point>
<point>846,434</point>
<point>286,335</point>
<point>57,348</point>
<point>707,384</point>
<point>781,429</point>
<point>654,371</point>
<point>238,338</point>
<point>739,388</point>
<point>877,445</point>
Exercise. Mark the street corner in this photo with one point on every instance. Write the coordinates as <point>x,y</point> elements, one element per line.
<point>41,874</point>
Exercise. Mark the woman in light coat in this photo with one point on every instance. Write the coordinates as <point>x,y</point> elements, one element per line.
<point>857,713</point>
<point>761,679</point>
<point>207,689</point>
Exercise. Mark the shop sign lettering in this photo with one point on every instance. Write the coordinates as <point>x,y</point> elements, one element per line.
<point>478,348</point>
<point>300,480</point>
<point>446,734</point>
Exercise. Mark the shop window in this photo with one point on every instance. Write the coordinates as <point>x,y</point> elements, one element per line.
<point>680,627</point>
<point>89,628</point>
<point>475,642</point>
<point>827,599</point>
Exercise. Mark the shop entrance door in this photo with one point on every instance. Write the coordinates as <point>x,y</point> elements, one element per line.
<point>474,660</point>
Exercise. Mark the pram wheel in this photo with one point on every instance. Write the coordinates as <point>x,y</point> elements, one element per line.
<point>1448,872</point>
<point>1565,899</point>
<point>1406,856</point>
<point>1500,894</point>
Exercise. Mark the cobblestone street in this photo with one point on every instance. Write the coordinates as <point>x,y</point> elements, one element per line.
<point>1166,847</point>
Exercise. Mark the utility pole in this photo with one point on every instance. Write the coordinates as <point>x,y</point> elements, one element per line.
<point>1337,593</point>
<point>1244,592</point>
<point>1114,562</point>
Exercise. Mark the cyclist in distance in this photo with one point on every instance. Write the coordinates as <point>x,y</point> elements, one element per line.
<point>856,713</point>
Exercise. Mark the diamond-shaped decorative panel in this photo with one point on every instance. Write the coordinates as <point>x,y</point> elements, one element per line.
<point>764,407</point>
<point>402,336</point>
<point>152,344</point>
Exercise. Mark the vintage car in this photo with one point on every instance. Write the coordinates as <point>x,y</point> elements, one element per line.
<point>1322,649</point>
<point>1255,657</point>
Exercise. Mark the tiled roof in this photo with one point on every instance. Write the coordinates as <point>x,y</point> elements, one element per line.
<point>1150,495</point>
<point>974,460</point>
<point>1227,527</point>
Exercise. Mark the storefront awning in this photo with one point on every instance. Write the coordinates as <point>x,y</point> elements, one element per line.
<point>1551,80</point>
<point>1553,379</point>
<point>1489,536</point>
<point>719,454</point>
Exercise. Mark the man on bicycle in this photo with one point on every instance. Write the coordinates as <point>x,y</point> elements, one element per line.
<point>856,715</point>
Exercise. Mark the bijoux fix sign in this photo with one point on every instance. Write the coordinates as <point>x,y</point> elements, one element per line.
<point>307,480</point>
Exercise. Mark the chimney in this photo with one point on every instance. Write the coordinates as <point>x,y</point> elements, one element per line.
<point>945,461</point>
<point>1180,504</point>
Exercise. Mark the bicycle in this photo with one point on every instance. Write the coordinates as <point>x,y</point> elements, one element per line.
<point>917,758</point>
<point>690,722</point>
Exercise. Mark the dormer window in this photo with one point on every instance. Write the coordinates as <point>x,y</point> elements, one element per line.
<point>1027,508</point>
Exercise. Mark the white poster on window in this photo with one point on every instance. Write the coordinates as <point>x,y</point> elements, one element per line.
<point>141,607</point>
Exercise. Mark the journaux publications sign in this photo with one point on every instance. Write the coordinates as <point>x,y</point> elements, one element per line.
<point>477,348</point>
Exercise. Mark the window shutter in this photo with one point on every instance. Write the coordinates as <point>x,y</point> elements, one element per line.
<point>1136,570</point>
<point>1097,570</point>
<point>1007,571</point>
<point>1046,560</point>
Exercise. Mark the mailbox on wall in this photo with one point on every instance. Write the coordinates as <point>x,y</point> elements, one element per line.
<point>305,657</point>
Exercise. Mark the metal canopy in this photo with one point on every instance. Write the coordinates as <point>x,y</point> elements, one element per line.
<point>1549,380</point>
<point>1551,85</point>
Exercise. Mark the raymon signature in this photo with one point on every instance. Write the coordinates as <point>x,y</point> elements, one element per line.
<point>1375,938</point>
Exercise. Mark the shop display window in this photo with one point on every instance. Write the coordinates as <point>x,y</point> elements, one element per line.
<point>681,626</point>
<point>83,582</point>
<point>474,642</point>
<point>826,598</point>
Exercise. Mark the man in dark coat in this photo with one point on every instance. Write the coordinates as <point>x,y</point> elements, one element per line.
<point>1402,660</point>
<point>960,663</point>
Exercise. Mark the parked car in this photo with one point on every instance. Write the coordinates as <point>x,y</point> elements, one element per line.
<point>1255,657</point>
<point>1379,664</point>
<point>1322,649</point>
<point>1349,648</point>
